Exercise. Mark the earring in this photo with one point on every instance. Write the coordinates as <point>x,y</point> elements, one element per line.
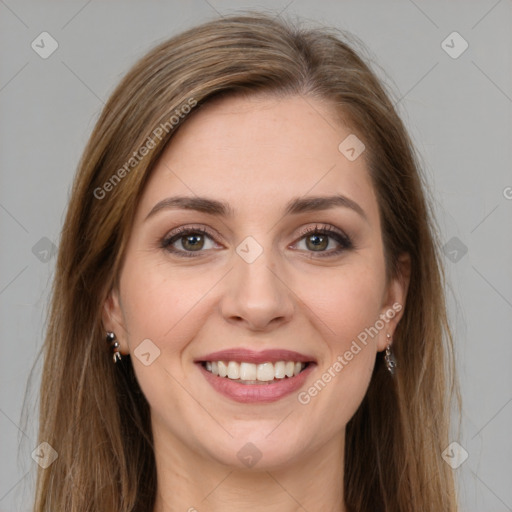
<point>389,357</point>
<point>111,339</point>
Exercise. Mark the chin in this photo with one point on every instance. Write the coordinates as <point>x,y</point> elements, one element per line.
<point>258,449</point>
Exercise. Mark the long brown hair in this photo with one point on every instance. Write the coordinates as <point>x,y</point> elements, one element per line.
<point>93,412</point>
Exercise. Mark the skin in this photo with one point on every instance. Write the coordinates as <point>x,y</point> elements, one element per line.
<point>256,154</point>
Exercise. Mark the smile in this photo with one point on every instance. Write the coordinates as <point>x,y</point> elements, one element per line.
<point>256,376</point>
<point>251,373</point>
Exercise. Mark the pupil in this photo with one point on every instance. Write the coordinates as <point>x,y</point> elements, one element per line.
<point>318,241</point>
<point>194,241</point>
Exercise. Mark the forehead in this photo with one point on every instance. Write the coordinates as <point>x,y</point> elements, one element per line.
<point>257,152</point>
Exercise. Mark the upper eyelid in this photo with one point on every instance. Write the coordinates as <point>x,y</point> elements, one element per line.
<point>185,230</point>
<point>320,226</point>
<point>182,231</point>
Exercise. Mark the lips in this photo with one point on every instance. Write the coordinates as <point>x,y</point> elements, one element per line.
<point>241,355</point>
<point>248,376</point>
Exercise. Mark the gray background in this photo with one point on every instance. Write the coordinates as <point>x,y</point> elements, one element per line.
<point>458,111</point>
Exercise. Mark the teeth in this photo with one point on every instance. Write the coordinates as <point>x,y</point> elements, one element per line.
<point>248,371</point>
<point>252,373</point>
<point>223,369</point>
<point>279,369</point>
<point>265,372</point>
<point>233,370</point>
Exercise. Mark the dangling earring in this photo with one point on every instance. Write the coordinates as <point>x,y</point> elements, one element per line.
<point>389,357</point>
<point>111,339</point>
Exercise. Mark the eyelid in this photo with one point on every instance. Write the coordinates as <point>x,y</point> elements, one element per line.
<point>199,228</point>
<point>167,242</point>
<point>323,227</point>
<point>340,237</point>
<point>343,240</point>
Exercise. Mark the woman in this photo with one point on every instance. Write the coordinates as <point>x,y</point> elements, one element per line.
<point>248,232</point>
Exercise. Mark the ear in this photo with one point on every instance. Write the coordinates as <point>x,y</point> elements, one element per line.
<point>113,319</point>
<point>393,305</point>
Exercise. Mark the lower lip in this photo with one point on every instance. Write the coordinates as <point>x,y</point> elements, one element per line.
<point>260,393</point>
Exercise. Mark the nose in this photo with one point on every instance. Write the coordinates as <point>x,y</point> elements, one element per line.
<point>256,295</point>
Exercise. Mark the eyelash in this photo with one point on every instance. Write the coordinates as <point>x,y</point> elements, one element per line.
<point>342,239</point>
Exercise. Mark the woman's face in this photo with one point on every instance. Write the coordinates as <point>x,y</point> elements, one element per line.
<point>234,271</point>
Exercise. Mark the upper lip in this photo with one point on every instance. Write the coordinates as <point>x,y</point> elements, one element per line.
<point>251,356</point>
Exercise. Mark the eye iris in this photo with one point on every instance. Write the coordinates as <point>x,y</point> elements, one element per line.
<point>196,241</point>
<point>318,241</point>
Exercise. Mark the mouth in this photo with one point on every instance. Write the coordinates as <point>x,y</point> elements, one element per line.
<point>255,374</point>
<point>247,376</point>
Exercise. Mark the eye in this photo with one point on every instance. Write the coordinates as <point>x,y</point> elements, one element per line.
<point>318,239</point>
<point>323,241</point>
<point>187,241</point>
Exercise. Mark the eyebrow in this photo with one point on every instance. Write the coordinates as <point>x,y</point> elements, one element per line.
<point>222,209</point>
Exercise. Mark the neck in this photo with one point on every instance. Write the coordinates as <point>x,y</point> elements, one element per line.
<point>189,482</point>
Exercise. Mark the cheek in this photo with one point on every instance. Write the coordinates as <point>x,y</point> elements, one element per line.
<point>346,301</point>
<point>159,304</point>
<point>166,308</point>
<point>346,307</point>
<point>170,308</point>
